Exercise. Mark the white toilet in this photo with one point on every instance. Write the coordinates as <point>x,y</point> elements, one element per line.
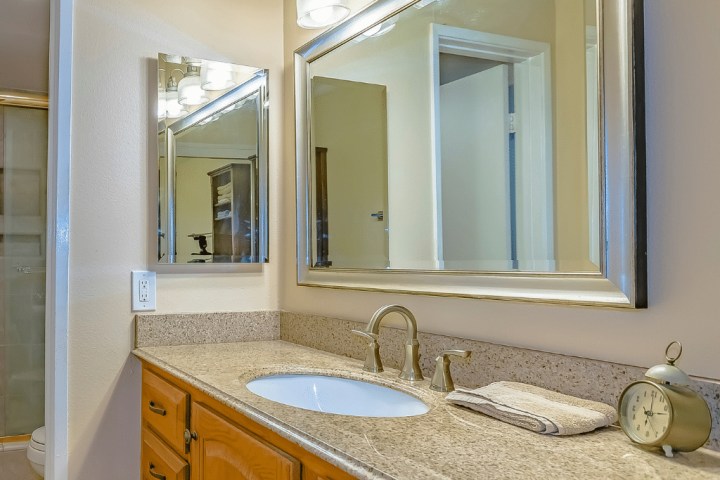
<point>36,451</point>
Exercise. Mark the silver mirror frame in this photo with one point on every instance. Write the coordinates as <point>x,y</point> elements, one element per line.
<point>259,83</point>
<point>622,280</point>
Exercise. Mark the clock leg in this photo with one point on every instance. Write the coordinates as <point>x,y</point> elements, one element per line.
<point>668,451</point>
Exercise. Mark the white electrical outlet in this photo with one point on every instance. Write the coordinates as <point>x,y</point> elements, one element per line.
<point>143,291</point>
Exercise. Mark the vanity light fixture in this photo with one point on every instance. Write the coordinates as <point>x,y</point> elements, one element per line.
<point>321,13</point>
<point>189,89</point>
<point>216,76</point>
<point>172,106</point>
<point>162,99</point>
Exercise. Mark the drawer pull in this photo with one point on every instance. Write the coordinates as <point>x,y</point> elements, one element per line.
<point>155,475</point>
<point>158,410</point>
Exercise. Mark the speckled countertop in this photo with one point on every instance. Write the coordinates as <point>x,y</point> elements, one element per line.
<point>448,442</point>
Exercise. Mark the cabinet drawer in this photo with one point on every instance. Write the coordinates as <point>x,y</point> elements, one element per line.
<point>165,409</point>
<point>158,462</point>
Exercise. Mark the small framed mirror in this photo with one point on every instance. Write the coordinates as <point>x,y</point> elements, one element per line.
<point>478,149</point>
<point>212,165</point>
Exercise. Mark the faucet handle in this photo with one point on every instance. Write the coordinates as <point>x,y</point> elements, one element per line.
<point>372,357</point>
<point>442,380</point>
<point>373,337</point>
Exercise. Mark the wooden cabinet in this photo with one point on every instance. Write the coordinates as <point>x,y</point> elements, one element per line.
<point>158,462</point>
<point>198,438</point>
<point>225,450</point>
<point>165,410</point>
<point>235,211</point>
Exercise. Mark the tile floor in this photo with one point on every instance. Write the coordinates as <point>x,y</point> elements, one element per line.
<point>14,466</point>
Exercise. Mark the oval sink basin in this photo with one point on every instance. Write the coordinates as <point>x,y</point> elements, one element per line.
<point>337,395</point>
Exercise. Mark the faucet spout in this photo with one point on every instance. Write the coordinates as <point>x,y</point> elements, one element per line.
<point>410,369</point>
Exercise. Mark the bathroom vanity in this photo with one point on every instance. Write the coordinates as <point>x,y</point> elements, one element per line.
<point>202,389</point>
<point>187,431</point>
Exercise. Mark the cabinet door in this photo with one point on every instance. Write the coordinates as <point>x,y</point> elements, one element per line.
<point>223,450</point>
<point>158,462</point>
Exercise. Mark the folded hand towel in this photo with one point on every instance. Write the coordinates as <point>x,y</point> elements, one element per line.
<point>224,188</point>
<point>535,408</point>
<point>223,214</point>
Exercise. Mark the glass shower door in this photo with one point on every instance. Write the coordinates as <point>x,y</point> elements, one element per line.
<point>23,176</point>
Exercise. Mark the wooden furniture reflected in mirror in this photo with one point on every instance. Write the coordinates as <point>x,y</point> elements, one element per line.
<point>321,208</point>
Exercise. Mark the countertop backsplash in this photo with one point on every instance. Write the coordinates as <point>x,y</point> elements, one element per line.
<point>585,378</point>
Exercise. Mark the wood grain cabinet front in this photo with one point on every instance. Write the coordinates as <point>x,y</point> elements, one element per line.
<point>223,443</point>
<point>225,450</point>
<point>165,409</point>
<point>158,462</point>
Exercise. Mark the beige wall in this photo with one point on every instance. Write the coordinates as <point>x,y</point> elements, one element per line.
<point>684,253</point>
<point>115,47</point>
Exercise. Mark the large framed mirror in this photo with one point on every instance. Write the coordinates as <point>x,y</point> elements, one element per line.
<point>484,148</point>
<point>212,165</point>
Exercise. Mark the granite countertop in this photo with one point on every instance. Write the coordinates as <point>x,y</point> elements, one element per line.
<point>449,442</point>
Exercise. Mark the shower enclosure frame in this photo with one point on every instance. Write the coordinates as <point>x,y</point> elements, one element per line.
<point>35,101</point>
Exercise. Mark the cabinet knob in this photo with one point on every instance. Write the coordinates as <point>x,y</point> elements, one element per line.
<point>154,474</point>
<point>190,436</point>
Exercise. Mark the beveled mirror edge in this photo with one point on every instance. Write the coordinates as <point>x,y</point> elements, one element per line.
<point>624,196</point>
<point>153,178</point>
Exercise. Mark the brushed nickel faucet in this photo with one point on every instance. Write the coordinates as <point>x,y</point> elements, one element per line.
<point>442,380</point>
<point>410,369</point>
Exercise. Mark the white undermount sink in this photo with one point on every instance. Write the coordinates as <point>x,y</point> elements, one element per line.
<point>337,395</point>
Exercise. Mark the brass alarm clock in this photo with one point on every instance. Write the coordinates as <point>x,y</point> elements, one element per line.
<point>661,411</point>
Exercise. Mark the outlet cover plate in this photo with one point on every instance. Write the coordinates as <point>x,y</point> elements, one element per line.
<point>143,291</point>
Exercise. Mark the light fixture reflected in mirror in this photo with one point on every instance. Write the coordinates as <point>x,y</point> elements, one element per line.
<point>321,13</point>
<point>172,105</point>
<point>189,89</point>
<point>216,76</point>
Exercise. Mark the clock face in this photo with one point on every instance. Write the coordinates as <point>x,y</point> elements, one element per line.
<point>645,413</point>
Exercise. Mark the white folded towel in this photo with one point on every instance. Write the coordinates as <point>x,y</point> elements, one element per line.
<point>224,188</point>
<point>223,214</point>
<point>535,408</point>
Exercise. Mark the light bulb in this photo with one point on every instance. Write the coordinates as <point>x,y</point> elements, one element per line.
<point>189,89</point>
<point>321,13</point>
<point>216,76</point>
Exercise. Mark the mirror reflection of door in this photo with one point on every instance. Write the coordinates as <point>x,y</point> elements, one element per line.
<point>351,124</point>
<point>493,158</point>
<point>476,166</point>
